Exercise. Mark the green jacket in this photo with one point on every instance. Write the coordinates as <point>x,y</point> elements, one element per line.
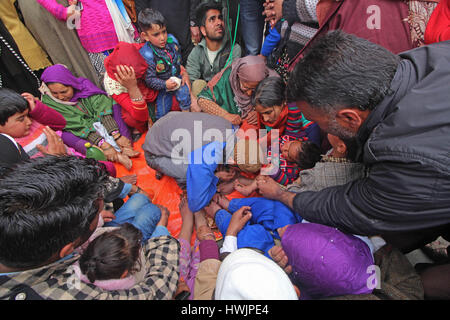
<point>198,66</point>
<point>221,93</point>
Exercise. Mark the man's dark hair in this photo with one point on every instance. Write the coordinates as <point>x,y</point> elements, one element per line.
<point>309,156</point>
<point>10,103</point>
<point>203,8</point>
<point>149,17</point>
<point>269,92</point>
<point>45,204</point>
<point>342,70</point>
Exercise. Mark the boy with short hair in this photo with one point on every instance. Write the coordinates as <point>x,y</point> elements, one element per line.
<point>15,123</point>
<point>162,53</point>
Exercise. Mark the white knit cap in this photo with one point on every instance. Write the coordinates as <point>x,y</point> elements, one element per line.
<point>248,275</point>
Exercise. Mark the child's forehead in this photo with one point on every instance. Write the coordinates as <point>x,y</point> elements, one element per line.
<point>156,28</point>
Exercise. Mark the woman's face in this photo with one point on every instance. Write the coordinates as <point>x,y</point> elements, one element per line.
<point>269,114</point>
<point>60,91</point>
<point>248,87</point>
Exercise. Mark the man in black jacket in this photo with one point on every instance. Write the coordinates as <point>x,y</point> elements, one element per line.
<point>397,109</point>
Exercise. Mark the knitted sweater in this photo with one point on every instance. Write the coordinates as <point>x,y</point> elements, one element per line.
<point>96,31</point>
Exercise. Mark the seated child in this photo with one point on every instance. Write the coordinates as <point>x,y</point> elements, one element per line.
<point>162,54</point>
<point>113,258</point>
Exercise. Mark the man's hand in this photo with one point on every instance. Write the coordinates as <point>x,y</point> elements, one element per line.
<point>55,145</point>
<point>238,220</point>
<point>268,188</point>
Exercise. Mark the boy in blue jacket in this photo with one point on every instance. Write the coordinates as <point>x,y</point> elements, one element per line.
<point>162,53</point>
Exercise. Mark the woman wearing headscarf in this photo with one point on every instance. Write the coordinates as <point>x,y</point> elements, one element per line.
<point>88,112</point>
<point>124,82</point>
<point>229,92</point>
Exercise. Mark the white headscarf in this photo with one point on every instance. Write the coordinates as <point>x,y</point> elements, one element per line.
<point>248,275</point>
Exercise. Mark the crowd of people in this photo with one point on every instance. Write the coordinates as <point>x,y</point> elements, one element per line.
<point>312,135</point>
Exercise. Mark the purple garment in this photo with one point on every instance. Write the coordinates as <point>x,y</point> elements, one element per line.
<point>83,88</point>
<point>326,262</point>
<point>77,143</point>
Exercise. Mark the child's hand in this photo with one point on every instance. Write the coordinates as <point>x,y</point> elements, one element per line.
<point>171,85</point>
<point>126,76</point>
<point>73,2</point>
<point>30,99</point>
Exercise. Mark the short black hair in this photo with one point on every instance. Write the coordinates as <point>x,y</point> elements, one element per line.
<point>45,204</point>
<point>309,156</point>
<point>148,17</point>
<point>341,70</point>
<point>11,103</point>
<point>269,92</point>
<point>203,8</point>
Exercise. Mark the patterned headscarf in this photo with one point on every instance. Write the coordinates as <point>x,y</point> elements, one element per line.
<point>247,69</point>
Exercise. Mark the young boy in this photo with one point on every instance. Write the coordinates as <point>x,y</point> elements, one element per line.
<point>15,123</point>
<point>334,168</point>
<point>162,53</point>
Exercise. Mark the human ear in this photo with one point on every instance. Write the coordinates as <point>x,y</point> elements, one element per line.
<point>203,31</point>
<point>143,36</point>
<point>350,118</point>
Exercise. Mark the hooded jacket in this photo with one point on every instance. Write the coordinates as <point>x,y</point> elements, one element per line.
<point>406,146</point>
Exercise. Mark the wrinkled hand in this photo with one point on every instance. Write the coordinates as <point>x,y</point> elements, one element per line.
<point>252,118</point>
<point>55,145</point>
<point>238,220</point>
<point>233,118</point>
<point>30,99</point>
<point>126,76</point>
<point>268,188</point>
